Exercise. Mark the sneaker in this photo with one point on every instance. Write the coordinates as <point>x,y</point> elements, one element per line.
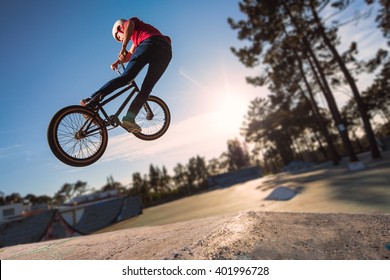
<point>85,101</point>
<point>91,101</point>
<point>130,125</point>
<point>88,102</point>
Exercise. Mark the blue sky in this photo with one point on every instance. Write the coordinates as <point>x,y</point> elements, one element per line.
<point>54,53</point>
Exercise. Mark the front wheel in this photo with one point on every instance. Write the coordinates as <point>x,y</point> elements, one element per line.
<point>77,136</point>
<point>154,119</point>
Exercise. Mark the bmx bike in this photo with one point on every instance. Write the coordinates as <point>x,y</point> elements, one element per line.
<point>77,135</point>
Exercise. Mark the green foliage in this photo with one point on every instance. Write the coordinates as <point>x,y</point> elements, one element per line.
<point>237,155</point>
<point>111,185</point>
<point>69,191</point>
<point>296,49</point>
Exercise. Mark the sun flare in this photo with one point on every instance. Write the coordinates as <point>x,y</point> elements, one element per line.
<point>230,112</point>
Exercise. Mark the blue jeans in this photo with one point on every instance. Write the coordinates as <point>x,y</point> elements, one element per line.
<point>156,52</point>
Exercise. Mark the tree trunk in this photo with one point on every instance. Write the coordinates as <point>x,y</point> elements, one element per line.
<point>331,103</point>
<point>361,106</point>
<point>335,156</point>
<point>327,92</point>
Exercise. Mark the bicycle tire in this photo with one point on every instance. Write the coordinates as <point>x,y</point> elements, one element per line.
<point>156,127</point>
<point>72,145</point>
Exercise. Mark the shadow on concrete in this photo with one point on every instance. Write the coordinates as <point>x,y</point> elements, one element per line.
<point>370,186</point>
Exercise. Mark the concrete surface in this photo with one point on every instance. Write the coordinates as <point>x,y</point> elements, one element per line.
<point>336,214</point>
<point>251,235</point>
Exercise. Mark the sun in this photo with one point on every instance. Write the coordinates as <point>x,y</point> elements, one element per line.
<point>230,111</point>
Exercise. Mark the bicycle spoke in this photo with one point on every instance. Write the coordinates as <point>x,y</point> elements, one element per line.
<point>82,147</point>
<point>153,126</point>
<point>156,123</point>
<point>77,136</point>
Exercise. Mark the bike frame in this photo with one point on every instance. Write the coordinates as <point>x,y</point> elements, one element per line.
<point>113,120</point>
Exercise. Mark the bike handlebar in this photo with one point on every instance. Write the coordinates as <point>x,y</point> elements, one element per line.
<point>117,69</point>
<point>121,62</point>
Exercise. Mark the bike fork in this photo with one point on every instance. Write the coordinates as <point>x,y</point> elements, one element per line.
<point>149,113</point>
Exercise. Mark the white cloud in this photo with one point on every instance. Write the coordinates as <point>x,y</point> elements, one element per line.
<point>11,150</point>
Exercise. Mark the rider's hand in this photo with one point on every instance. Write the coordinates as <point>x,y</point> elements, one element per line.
<point>122,55</point>
<point>115,65</point>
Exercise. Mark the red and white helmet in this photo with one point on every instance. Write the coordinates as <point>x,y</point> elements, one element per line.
<point>115,28</point>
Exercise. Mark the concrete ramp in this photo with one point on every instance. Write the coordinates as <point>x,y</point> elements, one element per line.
<point>58,228</point>
<point>229,179</point>
<point>50,224</point>
<point>100,215</point>
<point>131,206</point>
<point>26,230</point>
<point>249,235</point>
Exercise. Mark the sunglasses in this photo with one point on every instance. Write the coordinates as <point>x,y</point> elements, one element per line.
<point>118,31</point>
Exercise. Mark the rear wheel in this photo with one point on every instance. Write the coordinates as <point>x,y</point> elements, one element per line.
<point>77,136</point>
<point>154,119</point>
